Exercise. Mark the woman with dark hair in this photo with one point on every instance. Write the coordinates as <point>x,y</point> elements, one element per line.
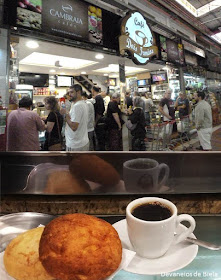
<point>137,118</point>
<point>54,123</point>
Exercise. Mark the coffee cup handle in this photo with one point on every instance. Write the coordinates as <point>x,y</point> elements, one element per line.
<point>166,175</point>
<point>182,236</point>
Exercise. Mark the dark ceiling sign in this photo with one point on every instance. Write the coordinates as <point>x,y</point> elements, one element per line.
<point>171,51</point>
<point>137,38</point>
<point>72,19</point>
<point>213,62</point>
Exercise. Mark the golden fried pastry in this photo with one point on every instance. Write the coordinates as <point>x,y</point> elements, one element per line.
<point>80,247</point>
<point>21,258</point>
<point>63,181</point>
<point>95,169</point>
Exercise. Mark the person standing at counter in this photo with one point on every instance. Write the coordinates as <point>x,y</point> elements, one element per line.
<point>128,99</point>
<point>203,120</point>
<point>115,123</point>
<point>182,105</point>
<point>137,118</point>
<point>167,109</point>
<point>99,110</point>
<point>23,126</point>
<point>54,123</point>
<point>76,134</point>
<point>90,125</point>
<point>166,106</point>
<point>148,104</point>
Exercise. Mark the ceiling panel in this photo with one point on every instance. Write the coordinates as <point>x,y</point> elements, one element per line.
<point>71,53</point>
<point>199,3</point>
<point>210,19</point>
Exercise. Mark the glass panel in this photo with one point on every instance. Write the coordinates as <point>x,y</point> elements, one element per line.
<point>110,173</point>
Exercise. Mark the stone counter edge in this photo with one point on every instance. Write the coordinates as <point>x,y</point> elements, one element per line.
<point>104,204</point>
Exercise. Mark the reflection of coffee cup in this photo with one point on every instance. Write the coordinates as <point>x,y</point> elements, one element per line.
<point>151,224</point>
<point>141,38</point>
<point>143,174</point>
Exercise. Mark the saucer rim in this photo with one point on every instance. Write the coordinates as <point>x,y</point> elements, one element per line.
<point>195,248</point>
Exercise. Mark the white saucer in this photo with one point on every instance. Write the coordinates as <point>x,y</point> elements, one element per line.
<point>177,257</point>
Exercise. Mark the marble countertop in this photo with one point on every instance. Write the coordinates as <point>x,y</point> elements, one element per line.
<point>197,203</point>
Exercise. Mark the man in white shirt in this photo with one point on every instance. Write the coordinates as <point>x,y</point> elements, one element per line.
<point>203,121</point>
<point>91,122</point>
<point>76,134</point>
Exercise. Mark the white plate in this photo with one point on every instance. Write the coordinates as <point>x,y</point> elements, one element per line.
<point>177,257</point>
<point>126,259</point>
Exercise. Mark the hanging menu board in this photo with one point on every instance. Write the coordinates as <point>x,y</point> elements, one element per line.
<point>69,18</point>
<point>171,51</point>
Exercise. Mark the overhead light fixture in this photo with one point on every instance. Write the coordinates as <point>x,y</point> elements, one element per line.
<point>32,44</point>
<point>106,74</point>
<point>62,73</point>
<point>114,68</point>
<point>52,71</point>
<point>99,56</point>
<point>83,73</point>
<point>51,61</point>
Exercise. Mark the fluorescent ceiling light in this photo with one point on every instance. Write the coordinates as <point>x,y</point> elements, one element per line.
<point>32,44</point>
<point>99,56</point>
<point>62,73</point>
<point>48,60</point>
<point>52,71</point>
<point>115,68</point>
<point>217,37</point>
<point>83,73</point>
<point>106,74</point>
<point>202,10</point>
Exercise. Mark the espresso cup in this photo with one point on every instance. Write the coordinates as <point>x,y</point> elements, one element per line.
<point>142,174</point>
<point>152,223</point>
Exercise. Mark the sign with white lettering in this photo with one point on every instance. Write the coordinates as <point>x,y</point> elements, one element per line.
<point>69,18</point>
<point>65,18</point>
<point>137,38</point>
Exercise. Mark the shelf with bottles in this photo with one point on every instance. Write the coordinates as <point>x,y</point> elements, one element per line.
<point>13,76</point>
<point>42,91</point>
<point>40,95</point>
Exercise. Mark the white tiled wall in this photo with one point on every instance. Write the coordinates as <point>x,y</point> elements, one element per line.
<point>3,65</point>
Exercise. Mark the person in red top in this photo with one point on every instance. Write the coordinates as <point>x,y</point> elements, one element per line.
<point>23,126</point>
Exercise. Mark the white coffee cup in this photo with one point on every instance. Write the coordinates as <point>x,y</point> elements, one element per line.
<point>152,239</point>
<point>143,174</point>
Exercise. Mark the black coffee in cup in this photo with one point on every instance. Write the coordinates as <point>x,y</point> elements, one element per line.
<point>154,211</point>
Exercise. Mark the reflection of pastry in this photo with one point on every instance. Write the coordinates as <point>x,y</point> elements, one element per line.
<point>63,182</point>
<point>81,247</point>
<point>21,258</point>
<point>95,169</point>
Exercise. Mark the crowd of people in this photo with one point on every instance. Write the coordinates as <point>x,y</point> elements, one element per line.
<point>94,123</point>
